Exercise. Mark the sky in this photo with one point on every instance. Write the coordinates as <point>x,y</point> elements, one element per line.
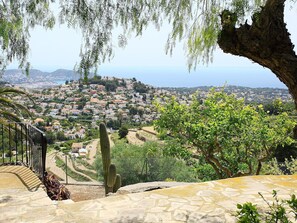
<point>144,58</point>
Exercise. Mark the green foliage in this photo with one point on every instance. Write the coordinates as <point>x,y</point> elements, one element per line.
<point>174,148</point>
<point>278,211</point>
<point>140,87</point>
<point>16,20</point>
<point>147,163</point>
<point>61,136</point>
<point>115,124</point>
<point>78,177</point>
<point>273,167</point>
<point>10,110</point>
<point>110,85</point>
<point>51,137</point>
<point>123,132</point>
<point>247,213</point>
<point>232,137</point>
<point>195,21</point>
<point>89,173</point>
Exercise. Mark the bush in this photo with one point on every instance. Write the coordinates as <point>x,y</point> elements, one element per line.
<point>289,166</point>
<point>278,211</point>
<point>123,132</point>
<point>147,163</point>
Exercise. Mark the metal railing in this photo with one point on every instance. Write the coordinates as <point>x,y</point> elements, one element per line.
<point>23,144</point>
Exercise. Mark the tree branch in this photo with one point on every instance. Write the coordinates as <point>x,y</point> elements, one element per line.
<point>266,42</point>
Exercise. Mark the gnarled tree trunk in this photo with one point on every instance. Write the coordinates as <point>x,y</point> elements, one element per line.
<point>266,41</point>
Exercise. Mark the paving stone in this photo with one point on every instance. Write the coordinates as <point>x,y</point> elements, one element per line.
<point>181,215</point>
<point>147,203</point>
<point>230,218</point>
<point>178,200</point>
<point>195,217</point>
<point>190,208</point>
<point>174,206</point>
<point>211,202</point>
<point>163,202</point>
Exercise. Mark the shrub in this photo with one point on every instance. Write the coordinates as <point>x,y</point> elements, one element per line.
<point>289,166</point>
<point>147,163</point>
<point>277,211</point>
<point>123,132</point>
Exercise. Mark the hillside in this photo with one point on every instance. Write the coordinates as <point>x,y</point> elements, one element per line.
<point>37,78</point>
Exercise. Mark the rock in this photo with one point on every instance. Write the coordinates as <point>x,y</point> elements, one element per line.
<point>149,186</point>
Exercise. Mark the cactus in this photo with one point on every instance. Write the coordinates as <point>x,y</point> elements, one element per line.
<point>118,183</point>
<point>112,181</point>
<point>111,178</point>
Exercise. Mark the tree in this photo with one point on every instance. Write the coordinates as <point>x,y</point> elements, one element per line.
<point>232,137</point>
<point>50,137</point>
<point>203,25</point>
<point>61,136</point>
<point>110,86</point>
<point>16,20</point>
<point>123,132</point>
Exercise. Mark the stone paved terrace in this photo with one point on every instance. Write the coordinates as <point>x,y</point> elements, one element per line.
<point>22,199</point>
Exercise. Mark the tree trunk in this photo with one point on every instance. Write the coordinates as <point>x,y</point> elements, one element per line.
<point>266,41</point>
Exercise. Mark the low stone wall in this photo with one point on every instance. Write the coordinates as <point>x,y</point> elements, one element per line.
<point>149,186</point>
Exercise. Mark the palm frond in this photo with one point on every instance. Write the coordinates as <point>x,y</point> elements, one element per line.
<point>10,109</point>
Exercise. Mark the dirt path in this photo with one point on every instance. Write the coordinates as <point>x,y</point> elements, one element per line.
<point>70,166</point>
<point>85,192</point>
<point>92,148</point>
<point>52,167</point>
<point>149,129</point>
<point>132,139</point>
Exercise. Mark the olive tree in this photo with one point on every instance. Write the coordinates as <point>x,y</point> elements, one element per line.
<point>232,137</point>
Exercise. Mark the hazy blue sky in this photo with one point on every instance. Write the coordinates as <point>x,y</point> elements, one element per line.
<point>144,58</point>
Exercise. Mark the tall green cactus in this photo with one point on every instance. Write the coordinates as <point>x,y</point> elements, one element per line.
<point>112,180</point>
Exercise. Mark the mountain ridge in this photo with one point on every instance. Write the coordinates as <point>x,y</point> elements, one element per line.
<point>18,76</point>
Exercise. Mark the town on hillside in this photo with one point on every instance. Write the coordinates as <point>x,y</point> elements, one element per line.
<point>70,115</point>
<point>117,101</point>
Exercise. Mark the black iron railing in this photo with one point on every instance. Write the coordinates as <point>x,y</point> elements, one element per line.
<point>23,144</point>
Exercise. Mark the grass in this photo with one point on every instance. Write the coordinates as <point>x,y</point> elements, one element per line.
<point>85,164</point>
<point>147,135</point>
<point>116,139</point>
<point>91,174</point>
<point>60,163</point>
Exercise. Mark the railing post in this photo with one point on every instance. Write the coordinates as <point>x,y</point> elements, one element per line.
<point>9,143</point>
<point>43,154</point>
<point>3,151</point>
<point>22,146</point>
<point>20,137</point>
<point>16,142</point>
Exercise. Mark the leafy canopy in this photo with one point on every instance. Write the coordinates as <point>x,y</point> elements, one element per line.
<point>10,110</point>
<point>197,21</point>
<point>16,20</point>
<point>232,137</point>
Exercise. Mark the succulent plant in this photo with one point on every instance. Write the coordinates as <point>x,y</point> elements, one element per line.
<point>112,180</point>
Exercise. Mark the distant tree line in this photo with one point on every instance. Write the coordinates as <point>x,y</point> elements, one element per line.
<point>140,87</point>
<point>110,85</point>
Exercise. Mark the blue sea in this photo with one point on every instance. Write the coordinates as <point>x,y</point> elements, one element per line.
<point>177,77</point>
<point>60,82</point>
